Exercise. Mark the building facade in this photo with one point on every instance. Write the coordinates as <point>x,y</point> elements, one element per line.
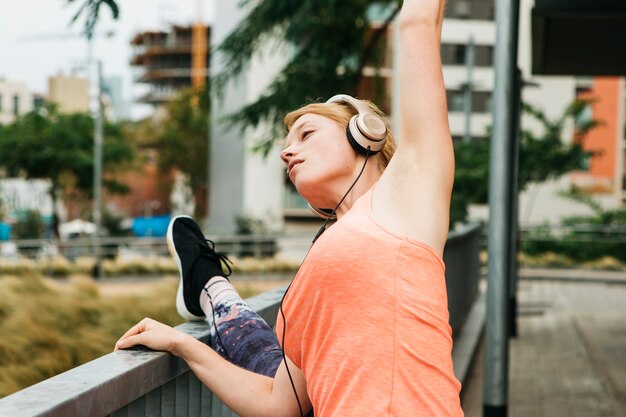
<point>69,92</point>
<point>15,99</point>
<point>246,184</point>
<point>164,62</point>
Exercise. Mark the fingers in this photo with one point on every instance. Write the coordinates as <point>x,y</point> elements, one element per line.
<point>130,341</point>
<point>137,329</point>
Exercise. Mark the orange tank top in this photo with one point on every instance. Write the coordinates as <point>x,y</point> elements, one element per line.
<point>367,323</point>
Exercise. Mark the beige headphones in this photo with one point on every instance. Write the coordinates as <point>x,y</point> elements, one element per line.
<point>366,132</point>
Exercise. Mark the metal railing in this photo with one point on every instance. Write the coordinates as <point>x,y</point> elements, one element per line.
<point>258,245</point>
<point>146,383</point>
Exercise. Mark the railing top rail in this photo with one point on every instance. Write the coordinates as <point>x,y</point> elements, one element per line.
<point>463,232</point>
<point>94,388</point>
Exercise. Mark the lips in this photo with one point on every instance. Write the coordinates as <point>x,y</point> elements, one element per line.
<point>293,163</point>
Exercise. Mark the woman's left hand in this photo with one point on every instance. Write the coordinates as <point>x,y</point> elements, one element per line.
<point>154,335</point>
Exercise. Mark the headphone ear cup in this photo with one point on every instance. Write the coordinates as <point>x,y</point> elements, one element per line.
<point>356,145</point>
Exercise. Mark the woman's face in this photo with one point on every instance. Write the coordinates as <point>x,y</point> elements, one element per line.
<point>319,159</point>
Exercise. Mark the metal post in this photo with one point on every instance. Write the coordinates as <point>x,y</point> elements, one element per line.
<point>495,395</point>
<point>514,200</point>
<point>97,174</point>
<point>468,89</point>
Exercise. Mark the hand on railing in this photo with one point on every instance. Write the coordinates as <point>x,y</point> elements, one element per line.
<point>154,335</point>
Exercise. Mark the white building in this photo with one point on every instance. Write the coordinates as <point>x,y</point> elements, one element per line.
<point>15,99</point>
<point>19,195</point>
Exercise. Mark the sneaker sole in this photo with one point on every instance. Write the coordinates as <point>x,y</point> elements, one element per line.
<point>180,298</point>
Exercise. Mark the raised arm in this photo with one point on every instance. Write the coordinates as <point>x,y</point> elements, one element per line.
<point>246,393</point>
<point>413,196</point>
<point>423,108</point>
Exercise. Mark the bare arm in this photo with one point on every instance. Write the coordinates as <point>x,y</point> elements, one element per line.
<point>246,393</point>
<point>413,195</point>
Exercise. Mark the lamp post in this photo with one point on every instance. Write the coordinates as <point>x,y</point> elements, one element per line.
<point>97,174</point>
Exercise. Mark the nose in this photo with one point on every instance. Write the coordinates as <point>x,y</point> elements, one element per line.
<point>286,155</point>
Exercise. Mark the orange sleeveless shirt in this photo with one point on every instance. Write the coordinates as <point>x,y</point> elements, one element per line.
<point>367,323</point>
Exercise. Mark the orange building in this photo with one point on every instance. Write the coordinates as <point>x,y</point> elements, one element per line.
<point>605,174</point>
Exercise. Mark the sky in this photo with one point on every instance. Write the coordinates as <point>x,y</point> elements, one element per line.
<point>34,43</point>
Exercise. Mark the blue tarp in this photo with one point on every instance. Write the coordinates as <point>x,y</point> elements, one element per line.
<point>155,226</point>
<point>5,231</point>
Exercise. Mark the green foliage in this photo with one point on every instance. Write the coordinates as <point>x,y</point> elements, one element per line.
<point>247,225</point>
<point>182,140</point>
<point>90,9</point>
<point>546,156</point>
<point>542,157</point>
<point>328,46</point>
<point>586,238</point>
<point>46,144</point>
<point>29,226</point>
<point>471,178</point>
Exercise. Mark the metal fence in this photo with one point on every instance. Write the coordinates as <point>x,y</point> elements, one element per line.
<point>146,383</point>
<point>110,247</point>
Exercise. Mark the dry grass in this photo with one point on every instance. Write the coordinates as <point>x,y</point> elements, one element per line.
<point>131,265</point>
<point>48,327</point>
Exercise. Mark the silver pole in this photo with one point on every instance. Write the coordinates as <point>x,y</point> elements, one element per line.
<point>468,89</point>
<point>514,201</point>
<point>495,394</point>
<point>97,173</point>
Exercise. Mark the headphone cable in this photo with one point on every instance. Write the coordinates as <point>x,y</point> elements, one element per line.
<point>317,235</point>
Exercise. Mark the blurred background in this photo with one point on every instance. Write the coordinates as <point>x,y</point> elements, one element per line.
<point>116,116</point>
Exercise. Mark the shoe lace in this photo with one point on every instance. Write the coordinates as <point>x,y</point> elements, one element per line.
<point>207,250</point>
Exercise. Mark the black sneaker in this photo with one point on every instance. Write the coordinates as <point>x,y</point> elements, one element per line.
<point>197,261</point>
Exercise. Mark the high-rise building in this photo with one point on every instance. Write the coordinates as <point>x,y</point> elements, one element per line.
<point>164,61</point>
<point>117,107</point>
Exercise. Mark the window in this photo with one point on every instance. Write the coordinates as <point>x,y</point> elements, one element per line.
<point>481,101</point>
<point>454,54</point>
<point>16,105</point>
<point>470,9</point>
<point>455,100</point>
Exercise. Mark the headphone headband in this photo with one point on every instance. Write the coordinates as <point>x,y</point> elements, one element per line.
<point>367,132</point>
<point>344,98</point>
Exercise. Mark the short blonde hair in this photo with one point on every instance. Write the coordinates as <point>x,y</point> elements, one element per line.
<point>342,113</point>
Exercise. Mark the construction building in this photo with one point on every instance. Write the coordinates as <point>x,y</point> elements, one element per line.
<point>168,61</point>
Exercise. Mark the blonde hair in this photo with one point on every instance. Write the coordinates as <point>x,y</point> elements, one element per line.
<point>342,113</point>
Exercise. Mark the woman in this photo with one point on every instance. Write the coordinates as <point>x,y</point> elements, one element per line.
<point>364,325</point>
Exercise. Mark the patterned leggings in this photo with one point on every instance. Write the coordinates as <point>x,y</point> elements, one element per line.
<point>245,339</point>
